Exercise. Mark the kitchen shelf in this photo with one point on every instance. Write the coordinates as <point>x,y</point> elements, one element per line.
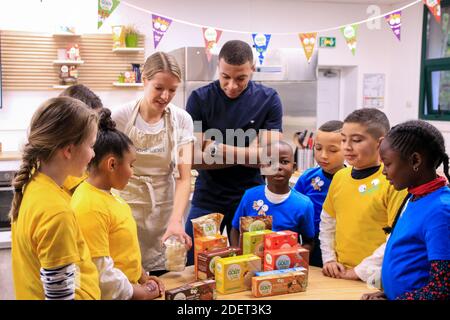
<point>71,62</point>
<point>66,34</point>
<point>124,84</point>
<point>60,86</point>
<point>127,50</point>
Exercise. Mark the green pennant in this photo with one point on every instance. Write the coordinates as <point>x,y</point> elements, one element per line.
<point>105,8</point>
<point>349,33</point>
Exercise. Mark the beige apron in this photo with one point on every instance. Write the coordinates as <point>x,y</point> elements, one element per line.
<point>150,191</point>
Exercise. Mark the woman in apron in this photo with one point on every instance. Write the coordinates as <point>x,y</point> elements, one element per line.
<point>162,133</point>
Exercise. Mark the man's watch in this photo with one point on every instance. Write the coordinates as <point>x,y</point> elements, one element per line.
<point>214,149</point>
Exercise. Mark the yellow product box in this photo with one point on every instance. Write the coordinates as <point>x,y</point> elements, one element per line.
<point>234,274</point>
<point>208,243</point>
<point>253,242</point>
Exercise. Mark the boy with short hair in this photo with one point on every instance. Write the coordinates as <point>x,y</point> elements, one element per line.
<point>290,210</point>
<point>360,201</point>
<point>315,182</point>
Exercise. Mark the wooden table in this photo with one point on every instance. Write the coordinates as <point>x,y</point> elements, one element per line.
<point>319,287</point>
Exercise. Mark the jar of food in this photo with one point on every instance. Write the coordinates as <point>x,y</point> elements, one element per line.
<point>175,254</point>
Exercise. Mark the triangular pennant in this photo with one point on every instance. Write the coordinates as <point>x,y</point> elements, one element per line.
<point>105,8</point>
<point>394,21</point>
<point>308,41</point>
<point>435,8</point>
<point>160,26</point>
<point>211,37</point>
<point>349,33</point>
<point>261,42</point>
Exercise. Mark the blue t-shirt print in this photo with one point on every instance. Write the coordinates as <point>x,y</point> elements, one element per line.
<point>295,213</point>
<point>421,235</point>
<point>314,184</point>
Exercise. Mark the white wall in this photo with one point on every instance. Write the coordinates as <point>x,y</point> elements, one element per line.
<point>378,51</point>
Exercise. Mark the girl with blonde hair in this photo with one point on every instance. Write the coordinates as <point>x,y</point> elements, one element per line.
<point>49,256</point>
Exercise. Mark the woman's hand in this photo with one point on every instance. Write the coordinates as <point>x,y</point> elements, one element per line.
<point>176,228</point>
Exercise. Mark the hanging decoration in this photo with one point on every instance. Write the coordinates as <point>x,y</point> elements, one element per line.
<point>211,37</point>
<point>435,8</point>
<point>394,21</point>
<point>349,33</point>
<point>261,42</point>
<point>160,26</point>
<point>308,41</point>
<point>105,8</point>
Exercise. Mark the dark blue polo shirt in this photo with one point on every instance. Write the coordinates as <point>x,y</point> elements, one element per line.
<point>258,107</point>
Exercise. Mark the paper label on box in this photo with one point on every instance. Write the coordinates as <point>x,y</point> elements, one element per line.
<point>265,287</point>
<point>234,272</point>
<point>283,262</point>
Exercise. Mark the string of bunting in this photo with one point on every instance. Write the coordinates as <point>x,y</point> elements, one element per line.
<point>211,34</point>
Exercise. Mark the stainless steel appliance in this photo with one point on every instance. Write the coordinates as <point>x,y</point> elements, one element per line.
<point>286,70</point>
<point>6,195</point>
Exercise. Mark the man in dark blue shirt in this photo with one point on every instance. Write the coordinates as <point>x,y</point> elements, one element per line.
<point>235,118</point>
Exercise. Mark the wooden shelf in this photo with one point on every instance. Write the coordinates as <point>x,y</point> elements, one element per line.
<point>61,86</point>
<point>124,84</point>
<point>66,34</point>
<point>127,50</point>
<point>77,62</point>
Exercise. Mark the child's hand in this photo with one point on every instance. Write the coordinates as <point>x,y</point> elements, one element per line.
<point>333,269</point>
<point>374,296</point>
<point>349,274</point>
<point>158,283</point>
<point>152,290</point>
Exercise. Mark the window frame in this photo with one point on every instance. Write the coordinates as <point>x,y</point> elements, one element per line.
<point>427,67</point>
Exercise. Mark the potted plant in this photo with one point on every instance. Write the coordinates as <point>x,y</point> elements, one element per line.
<point>131,36</point>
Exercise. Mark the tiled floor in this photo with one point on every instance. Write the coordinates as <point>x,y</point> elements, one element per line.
<point>6,281</point>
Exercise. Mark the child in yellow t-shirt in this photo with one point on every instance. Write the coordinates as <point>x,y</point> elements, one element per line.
<point>83,93</point>
<point>360,201</point>
<point>49,256</point>
<point>106,220</point>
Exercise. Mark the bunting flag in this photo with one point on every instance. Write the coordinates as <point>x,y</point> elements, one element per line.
<point>160,26</point>
<point>394,21</point>
<point>105,8</point>
<point>435,8</point>
<point>211,37</point>
<point>349,33</point>
<point>261,42</point>
<point>308,41</point>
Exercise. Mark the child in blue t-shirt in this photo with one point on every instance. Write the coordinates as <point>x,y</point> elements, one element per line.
<point>315,182</point>
<point>416,263</point>
<point>289,209</point>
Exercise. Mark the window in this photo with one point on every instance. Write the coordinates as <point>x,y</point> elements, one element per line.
<point>435,69</point>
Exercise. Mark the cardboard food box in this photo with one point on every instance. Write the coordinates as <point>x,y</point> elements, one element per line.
<point>235,274</point>
<point>279,283</point>
<point>253,223</point>
<point>208,243</point>
<point>286,258</point>
<point>200,290</point>
<point>280,240</point>
<point>254,242</point>
<point>270,272</point>
<point>207,260</point>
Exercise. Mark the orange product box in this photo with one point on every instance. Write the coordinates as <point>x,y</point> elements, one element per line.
<point>280,240</point>
<point>208,243</point>
<point>286,258</point>
<point>279,283</point>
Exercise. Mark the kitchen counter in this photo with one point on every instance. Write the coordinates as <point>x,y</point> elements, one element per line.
<point>319,287</point>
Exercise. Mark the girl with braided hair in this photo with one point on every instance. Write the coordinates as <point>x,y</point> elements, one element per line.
<point>106,220</point>
<point>49,256</point>
<point>417,256</point>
